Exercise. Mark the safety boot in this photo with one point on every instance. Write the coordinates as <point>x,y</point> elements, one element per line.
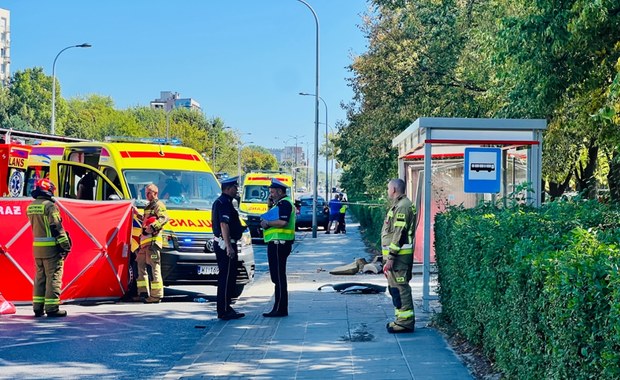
<point>57,313</point>
<point>395,328</point>
<point>39,313</point>
<point>152,300</point>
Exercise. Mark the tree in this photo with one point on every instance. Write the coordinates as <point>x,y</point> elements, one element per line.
<point>256,158</point>
<point>30,99</point>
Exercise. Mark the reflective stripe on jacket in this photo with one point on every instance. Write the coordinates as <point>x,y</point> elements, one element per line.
<point>282,233</point>
<point>397,231</point>
<point>157,209</point>
<point>49,237</point>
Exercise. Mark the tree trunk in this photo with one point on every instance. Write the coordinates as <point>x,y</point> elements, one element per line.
<point>557,189</point>
<point>586,183</point>
<point>613,177</point>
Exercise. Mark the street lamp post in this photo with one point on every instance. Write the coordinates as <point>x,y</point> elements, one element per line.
<point>295,153</point>
<point>214,135</point>
<point>326,146</point>
<point>53,124</point>
<point>239,154</point>
<point>316,123</point>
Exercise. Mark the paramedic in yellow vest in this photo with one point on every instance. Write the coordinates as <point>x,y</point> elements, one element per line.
<point>279,234</point>
<point>397,248</point>
<point>50,247</point>
<point>151,243</point>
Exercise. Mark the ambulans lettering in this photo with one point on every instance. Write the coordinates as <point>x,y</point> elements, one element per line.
<point>17,162</point>
<point>10,210</point>
<point>190,223</point>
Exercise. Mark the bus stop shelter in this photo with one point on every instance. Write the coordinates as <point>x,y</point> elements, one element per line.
<point>441,146</point>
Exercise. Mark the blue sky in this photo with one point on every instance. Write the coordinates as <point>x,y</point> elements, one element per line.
<point>242,60</point>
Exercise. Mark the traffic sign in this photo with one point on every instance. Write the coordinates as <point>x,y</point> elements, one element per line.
<point>482,170</point>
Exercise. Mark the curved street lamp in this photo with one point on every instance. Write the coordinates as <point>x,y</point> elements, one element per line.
<point>53,125</point>
<point>326,146</point>
<point>241,144</point>
<point>316,123</point>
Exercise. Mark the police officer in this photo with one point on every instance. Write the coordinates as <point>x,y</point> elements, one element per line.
<point>397,248</point>
<point>279,235</point>
<point>151,243</point>
<point>51,245</point>
<point>227,229</point>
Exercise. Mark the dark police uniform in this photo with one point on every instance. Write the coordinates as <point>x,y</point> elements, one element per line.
<point>224,212</point>
<point>279,245</point>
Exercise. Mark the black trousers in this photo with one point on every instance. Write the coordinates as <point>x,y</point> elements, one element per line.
<point>226,279</point>
<point>277,254</point>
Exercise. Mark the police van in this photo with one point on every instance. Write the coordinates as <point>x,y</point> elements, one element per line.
<point>121,168</point>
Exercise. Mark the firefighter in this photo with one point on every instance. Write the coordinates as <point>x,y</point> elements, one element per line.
<point>151,243</point>
<point>397,249</point>
<point>279,235</point>
<point>227,230</point>
<point>51,245</point>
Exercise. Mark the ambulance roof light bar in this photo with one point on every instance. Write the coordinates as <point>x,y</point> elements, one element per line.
<point>143,140</point>
<point>37,137</point>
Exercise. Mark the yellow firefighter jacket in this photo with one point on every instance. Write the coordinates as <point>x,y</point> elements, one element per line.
<point>49,237</point>
<point>397,231</point>
<point>157,209</point>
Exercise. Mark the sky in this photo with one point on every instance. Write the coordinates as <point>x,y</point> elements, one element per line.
<point>244,61</point>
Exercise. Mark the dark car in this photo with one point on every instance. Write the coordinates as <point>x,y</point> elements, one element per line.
<point>303,204</point>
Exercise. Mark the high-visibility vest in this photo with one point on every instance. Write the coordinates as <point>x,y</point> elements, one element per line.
<point>282,233</point>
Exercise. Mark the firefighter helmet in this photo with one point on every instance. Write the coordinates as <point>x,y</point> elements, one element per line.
<point>45,185</point>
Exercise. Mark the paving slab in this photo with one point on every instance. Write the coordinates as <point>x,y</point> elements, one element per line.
<point>327,335</point>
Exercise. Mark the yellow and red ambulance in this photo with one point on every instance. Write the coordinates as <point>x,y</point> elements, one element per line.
<point>13,165</point>
<point>254,197</point>
<point>121,168</point>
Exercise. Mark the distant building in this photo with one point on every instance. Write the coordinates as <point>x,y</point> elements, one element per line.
<point>294,155</point>
<point>169,100</point>
<point>5,46</point>
<point>277,153</point>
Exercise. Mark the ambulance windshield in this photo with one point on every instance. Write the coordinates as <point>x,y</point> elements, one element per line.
<point>255,194</point>
<point>178,189</point>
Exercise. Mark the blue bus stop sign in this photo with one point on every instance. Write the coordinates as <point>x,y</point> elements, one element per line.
<point>482,170</point>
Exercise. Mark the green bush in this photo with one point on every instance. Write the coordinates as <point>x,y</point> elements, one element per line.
<point>371,219</point>
<point>537,289</point>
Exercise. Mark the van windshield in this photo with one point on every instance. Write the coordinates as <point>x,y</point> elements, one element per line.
<point>178,189</point>
<point>258,193</point>
<point>255,194</point>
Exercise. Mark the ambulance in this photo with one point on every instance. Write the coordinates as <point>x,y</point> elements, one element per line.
<point>254,197</point>
<point>13,165</point>
<point>121,168</point>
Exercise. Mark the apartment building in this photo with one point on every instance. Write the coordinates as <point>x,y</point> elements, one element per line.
<point>5,46</point>
<point>169,100</point>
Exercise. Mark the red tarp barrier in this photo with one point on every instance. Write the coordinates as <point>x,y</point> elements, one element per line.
<point>96,268</point>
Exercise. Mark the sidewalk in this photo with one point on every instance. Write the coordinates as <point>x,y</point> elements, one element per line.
<point>327,335</point>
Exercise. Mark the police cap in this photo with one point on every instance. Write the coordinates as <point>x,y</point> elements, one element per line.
<point>276,184</point>
<point>230,182</point>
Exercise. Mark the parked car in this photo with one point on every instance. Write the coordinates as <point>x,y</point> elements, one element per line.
<point>303,204</point>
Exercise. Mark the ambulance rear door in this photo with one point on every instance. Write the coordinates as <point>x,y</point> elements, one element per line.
<point>67,174</point>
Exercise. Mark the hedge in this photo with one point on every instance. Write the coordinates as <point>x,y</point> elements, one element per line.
<point>537,289</point>
<point>371,219</point>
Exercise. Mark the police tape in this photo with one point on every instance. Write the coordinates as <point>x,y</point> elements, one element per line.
<point>364,204</point>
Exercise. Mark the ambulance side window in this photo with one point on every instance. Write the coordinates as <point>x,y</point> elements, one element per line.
<point>112,174</point>
<point>67,183</point>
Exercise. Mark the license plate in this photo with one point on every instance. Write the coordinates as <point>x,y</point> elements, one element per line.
<point>208,269</point>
